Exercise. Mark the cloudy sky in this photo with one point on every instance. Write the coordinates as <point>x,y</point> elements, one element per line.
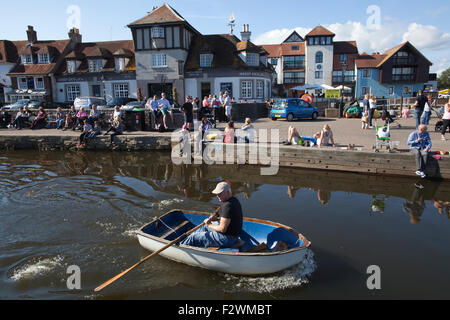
<point>375,25</point>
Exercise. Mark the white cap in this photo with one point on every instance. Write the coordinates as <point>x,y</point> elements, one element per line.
<point>221,187</point>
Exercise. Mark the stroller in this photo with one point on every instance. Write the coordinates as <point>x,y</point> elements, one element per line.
<point>206,112</point>
<point>383,137</point>
<point>386,116</point>
<point>440,123</point>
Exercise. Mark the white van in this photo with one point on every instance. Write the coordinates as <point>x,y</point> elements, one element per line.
<point>87,102</point>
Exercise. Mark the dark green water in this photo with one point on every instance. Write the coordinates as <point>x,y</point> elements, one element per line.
<point>64,209</point>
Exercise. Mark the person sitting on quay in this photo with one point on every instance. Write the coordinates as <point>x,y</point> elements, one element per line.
<point>326,137</point>
<point>153,105</point>
<point>249,131</point>
<point>87,128</point>
<point>19,119</point>
<point>60,119</point>
<point>420,144</point>
<point>94,115</point>
<point>117,114</point>
<point>295,139</point>
<point>40,121</point>
<point>116,128</point>
<point>230,222</point>
<point>230,133</point>
<point>71,119</point>
<point>81,117</point>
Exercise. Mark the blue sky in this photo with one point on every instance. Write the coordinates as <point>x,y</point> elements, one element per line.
<point>428,28</point>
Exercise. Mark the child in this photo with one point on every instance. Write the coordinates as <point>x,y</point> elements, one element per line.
<point>365,120</point>
<point>406,112</point>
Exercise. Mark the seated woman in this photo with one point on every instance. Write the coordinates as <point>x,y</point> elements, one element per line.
<point>18,121</point>
<point>94,115</point>
<point>249,131</point>
<point>326,137</point>
<point>40,121</point>
<point>60,119</point>
<point>81,117</point>
<point>71,119</point>
<point>230,133</point>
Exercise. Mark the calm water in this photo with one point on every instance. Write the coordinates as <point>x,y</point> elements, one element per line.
<point>63,209</point>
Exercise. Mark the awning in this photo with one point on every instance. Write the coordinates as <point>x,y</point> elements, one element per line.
<point>446,91</point>
<point>307,87</point>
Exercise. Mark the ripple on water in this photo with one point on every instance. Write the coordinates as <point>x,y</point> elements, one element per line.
<point>34,268</point>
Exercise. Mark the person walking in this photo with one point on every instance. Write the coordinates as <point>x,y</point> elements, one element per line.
<point>419,106</point>
<point>446,120</point>
<point>427,110</point>
<point>372,108</point>
<point>420,144</point>
<point>188,110</point>
<point>164,106</point>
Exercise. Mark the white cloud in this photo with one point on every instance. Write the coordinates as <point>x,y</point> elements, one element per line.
<point>279,35</point>
<point>427,37</point>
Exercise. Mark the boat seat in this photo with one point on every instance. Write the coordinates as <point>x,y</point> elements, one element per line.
<point>175,230</point>
<point>237,246</point>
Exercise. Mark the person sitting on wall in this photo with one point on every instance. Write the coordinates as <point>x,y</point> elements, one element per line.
<point>326,137</point>
<point>60,118</point>
<point>116,128</point>
<point>94,115</point>
<point>420,144</point>
<point>81,116</point>
<point>40,121</point>
<point>18,121</point>
<point>71,119</point>
<point>86,130</point>
<point>295,139</point>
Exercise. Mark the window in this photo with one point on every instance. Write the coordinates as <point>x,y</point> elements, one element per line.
<point>317,41</point>
<point>407,90</point>
<point>294,62</point>
<point>227,87</point>
<point>343,58</point>
<point>206,60</point>
<point>366,90</point>
<point>139,39</point>
<point>39,83</point>
<point>23,84</point>
<point>260,89</point>
<point>323,40</point>
<point>403,74</point>
<point>391,91</point>
<point>27,59</point>
<point>311,41</point>
<point>403,57</point>
<point>274,61</point>
<point>366,73</point>
<point>159,61</point>
<point>294,77</point>
<point>43,58</point>
<point>329,40</point>
<point>157,32</point>
<point>95,65</point>
<point>73,92</point>
<point>252,59</point>
<point>246,89</point>
<point>120,64</point>
<point>319,57</point>
<point>337,76</point>
<point>71,66</point>
<point>319,74</point>
<point>349,76</point>
<point>295,48</point>
<point>121,90</point>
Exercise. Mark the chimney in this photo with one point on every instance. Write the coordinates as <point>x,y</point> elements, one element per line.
<point>75,36</point>
<point>246,34</point>
<point>31,35</point>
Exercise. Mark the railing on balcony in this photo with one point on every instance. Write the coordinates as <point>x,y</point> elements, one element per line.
<point>294,65</point>
<point>294,80</point>
<point>404,60</point>
<point>403,77</point>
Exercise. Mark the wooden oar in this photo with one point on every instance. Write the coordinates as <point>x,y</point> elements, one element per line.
<point>107,283</point>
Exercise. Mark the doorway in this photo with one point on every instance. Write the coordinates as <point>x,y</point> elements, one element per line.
<point>206,89</point>
<point>96,91</point>
<point>158,88</point>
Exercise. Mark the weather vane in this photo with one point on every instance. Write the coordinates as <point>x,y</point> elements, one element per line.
<point>232,22</point>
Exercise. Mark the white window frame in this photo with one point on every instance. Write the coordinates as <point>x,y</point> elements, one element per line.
<point>95,65</point>
<point>27,59</point>
<point>19,82</point>
<point>206,60</point>
<point>157,33</point>
<point>43,58</point>
<point>72,94</point>
<point>36,86</point>
<point>391,91</point>
<point>71,66</point>
<point>252,59</point>
<point>365,90</point>
<point>260,89</point>
<point>246,89</point>
<point>159,60</point>
<point>366,73</point>
<point>121,90</point>
<point>318,75</point>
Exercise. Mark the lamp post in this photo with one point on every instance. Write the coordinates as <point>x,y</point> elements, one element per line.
<point>341,105</point>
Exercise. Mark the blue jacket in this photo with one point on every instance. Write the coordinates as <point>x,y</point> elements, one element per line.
<point>424,144</point>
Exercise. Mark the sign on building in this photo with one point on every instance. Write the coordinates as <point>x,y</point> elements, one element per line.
<point>332,94</point>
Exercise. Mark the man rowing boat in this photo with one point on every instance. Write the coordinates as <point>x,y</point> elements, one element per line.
<point>229,227</point>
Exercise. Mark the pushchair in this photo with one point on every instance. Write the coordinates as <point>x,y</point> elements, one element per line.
<point>383,137</point>
<point>440,123</point>
<point>387,117</point>
<point>206,112</point>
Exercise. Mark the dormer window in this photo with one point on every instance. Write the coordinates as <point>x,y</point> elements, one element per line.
<point>120,64</point>
<point>95,65</point>
<point>71,66</point>
<point>43,58</point>
<point>27,59</point>
<point>252,59</point>
<point>295,48</point>
<point>206,60</point>
<point>157,32</point>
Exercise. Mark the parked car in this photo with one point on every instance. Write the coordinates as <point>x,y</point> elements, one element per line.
<point>116,102</point>
<point>291,109</point>
<point>87,102</point>
<point>48,105</point>
<point>134,105</point>
<point>17,105</point>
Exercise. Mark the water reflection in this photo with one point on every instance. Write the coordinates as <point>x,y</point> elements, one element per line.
<point>195,182</point>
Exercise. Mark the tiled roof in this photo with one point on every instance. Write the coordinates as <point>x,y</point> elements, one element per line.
<point>285,49</point>
<point>320,31</point>
<point>8,52</point>
<point>163,14</point>
<point>274,50</point>
<point>102,50</point>
<point>348,47</point>
<point>369,61</point>
<point>250,47</point>
<point>224,47</point>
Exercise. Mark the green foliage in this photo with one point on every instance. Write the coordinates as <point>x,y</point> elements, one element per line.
<point>444,80</point>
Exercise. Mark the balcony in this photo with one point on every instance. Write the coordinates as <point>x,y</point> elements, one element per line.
<point>403,77</point>
<point>294,65</point>
<point>404,61</point>
<point>294,80</point>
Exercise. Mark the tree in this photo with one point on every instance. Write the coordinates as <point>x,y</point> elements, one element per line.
<point>444,80</point>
